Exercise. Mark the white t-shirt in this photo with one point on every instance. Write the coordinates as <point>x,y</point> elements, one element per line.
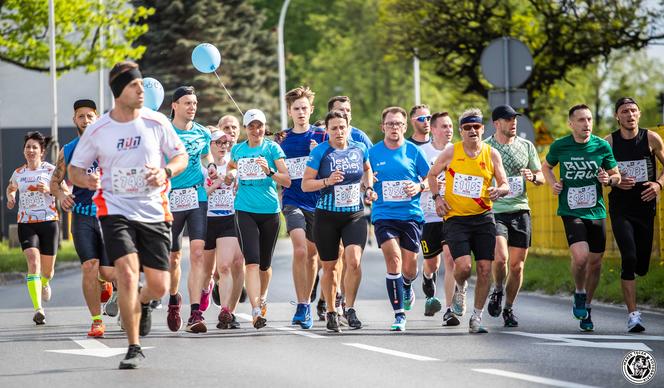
<point>221,202</point>
<point>34,206</point>
<point>122,151</point>
<point>426,199</point>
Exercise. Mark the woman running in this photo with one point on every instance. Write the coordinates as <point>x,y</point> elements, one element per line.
<point>338,168</point>
<point>259,165</point>
<point>37,219</point>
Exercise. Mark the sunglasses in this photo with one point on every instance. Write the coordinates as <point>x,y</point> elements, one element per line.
<point>472,126</point>
<point>423,118</point>
<point>220,143</point>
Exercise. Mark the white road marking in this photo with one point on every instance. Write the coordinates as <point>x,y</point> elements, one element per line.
<point>391,352</point>
<point>94,348</point>
<point>574,340</point>
<point>287,329</point>
<point>533,379</point>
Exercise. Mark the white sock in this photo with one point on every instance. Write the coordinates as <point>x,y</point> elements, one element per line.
<point>478,313</point>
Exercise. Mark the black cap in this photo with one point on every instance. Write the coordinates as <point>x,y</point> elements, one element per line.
<point>85,104</point>
<point>625,100</point>
<point>183,91</point>
<point>503,112</point>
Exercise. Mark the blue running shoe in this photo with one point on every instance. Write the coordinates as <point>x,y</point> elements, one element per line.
<point>308,320</point>
<point>586,323</point>
<point>299,314</point>
<point>408,299</point>
<point>399,323</point>
<point>579,307</point>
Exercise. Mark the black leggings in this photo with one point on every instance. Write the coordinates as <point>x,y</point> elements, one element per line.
<point>634,236</point>
<point>258,236</point>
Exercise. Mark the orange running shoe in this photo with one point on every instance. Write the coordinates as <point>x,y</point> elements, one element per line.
<point>106,291</point>
<point>97,329</point>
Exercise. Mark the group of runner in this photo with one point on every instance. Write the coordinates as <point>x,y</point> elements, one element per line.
<point>139,178</point>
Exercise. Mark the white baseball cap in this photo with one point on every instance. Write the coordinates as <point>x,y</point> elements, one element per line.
<point>216,135</point>
<point>252,115</point>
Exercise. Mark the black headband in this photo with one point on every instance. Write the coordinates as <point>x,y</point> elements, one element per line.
<point>625,100</point>
<point>118,84</point>
<point>470,119</point>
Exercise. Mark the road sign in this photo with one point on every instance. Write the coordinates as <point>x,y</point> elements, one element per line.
<point>524,128</point>
<point>518,98</point>
<point>506,63</point>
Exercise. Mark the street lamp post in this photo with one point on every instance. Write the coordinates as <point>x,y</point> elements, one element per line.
<point>282,64</point>
<point>54,79</point>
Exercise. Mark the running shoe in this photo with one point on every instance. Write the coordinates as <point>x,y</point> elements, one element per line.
<point>155,304</point>
<point>399,323</point>
<point>205,297</point>
<point>586,323</point>
<point>263,308</point>
<point>234,324</point>
<point>243,295</point>
<point>509,318</point>
<point>579,306</point>
<point>429,286</point>
<point>111,307</point>
<point>259,322</point>
<point>450,319</point>
<point>321,308</point>
<point>353,322</point>
<point>408,298</point>
<point>133,359</point>
<point>216,298</point>
<point>106,291</point>
<point>634,323</point>
<point>39,318</point>
<point>495,303</point>
<point>432,306</point>
<point>97,329</point>
<point>196,322</point>
<point>173,319</point>
<point>333,322</point>
<point>46,293</point>
<point>308,320</point>
<point>299,314</point>
<point>475,325</point>
<point>459,300</point>
<point>145,324</point>
<point>225,317</point>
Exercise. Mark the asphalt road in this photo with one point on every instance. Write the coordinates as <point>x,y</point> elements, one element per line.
<point>546,350</point>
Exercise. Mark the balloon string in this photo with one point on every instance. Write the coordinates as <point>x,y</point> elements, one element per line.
<point>229,94</point>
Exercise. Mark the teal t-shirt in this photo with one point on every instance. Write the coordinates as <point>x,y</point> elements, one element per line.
<point>256,193</point>
<point>579,165</point>
<point>197,143</point>
<point>516,156</point>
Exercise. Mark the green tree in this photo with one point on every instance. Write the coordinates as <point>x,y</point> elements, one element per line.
<point>24,37</point>
<point>248,55</point>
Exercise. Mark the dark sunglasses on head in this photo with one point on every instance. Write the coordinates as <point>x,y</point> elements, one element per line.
<point>423,118</point>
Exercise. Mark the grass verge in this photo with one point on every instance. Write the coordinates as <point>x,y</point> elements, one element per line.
<point>13,260</point>
<point>552,275</point>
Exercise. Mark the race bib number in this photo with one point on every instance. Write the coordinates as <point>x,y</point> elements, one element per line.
<point>428,204</point>
<point>634,168</point>
<point>129,181</point>
<point>183,199</point>
<point>516,186</point>
<point>32,200</point>
<point>296,167</point>
<point>248,169</point>
<point>394,191</point>
<point>582,197</point>
<point>222,199</point>
<point>347,195</point>
<point>469,186</point>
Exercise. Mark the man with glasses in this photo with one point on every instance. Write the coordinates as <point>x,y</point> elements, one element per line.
<point>399,167</point>
<point>420,119</point>
<point>470,167</point>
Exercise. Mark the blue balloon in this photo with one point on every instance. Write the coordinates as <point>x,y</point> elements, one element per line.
<point>154,93</point>
<point>205,58</point>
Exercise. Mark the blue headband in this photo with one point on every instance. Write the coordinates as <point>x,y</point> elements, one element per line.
<point>470,119</point>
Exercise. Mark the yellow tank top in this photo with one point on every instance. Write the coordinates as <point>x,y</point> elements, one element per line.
<point>466,182</point>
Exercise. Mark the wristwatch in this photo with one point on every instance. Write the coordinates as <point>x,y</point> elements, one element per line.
<point>435,196</point>
<point>169,172</point>
<point>272,172</point>
<point>422,187</point>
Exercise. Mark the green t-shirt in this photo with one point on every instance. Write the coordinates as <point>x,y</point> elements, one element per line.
<point>520,154</point>
<point>579,165</point>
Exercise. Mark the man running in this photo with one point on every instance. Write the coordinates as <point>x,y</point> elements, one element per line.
<point>399,167</point>
<point>188,201</point>
<point>470,166</point>
<point>131,144</point>
<point>513,225</point>
<point>586,163</point>
<point>420,119</point>
<point>85,228</point>
<point>632,203</point>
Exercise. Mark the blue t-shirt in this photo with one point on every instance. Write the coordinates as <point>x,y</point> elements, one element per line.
<point>197,143</point>
<point>256,193</point>
<point>393,168</point>
<point>358,135</point>
<point>83,203</point>
<point>344,196</point>
<point>296,149</point>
